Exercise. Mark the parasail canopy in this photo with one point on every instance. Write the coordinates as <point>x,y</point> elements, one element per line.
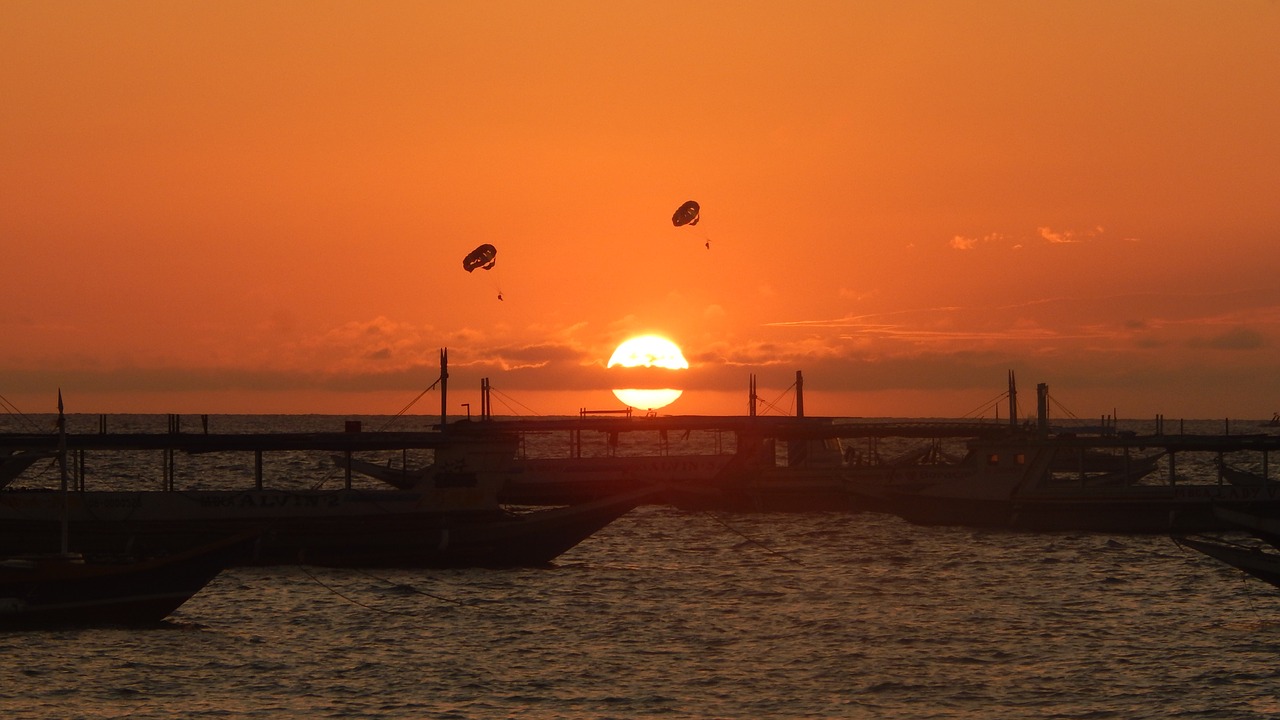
<point>483,257</point>
<point>686,214</point>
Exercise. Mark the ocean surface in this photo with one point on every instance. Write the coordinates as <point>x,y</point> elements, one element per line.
<point>678,615</point>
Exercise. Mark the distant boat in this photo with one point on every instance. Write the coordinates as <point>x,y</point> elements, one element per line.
<point>65,589</point>
<point>1010,482</point>
<point>567,481</point>
<point>1274,421</point>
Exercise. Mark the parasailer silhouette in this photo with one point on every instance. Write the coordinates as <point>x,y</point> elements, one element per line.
<point>482,258</point>
<point>689,214</point>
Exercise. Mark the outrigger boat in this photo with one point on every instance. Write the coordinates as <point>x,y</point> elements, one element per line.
<point>64,588</point>
<point>567,481</point>
<point>454,519</point>
<point>1009,481</point>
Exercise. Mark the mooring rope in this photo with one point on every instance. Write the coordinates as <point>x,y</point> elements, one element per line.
<point>441,598</point>
<point>348,598</point>
<point>353,601</point>
<point>752,540</point>
<point>16,412</point>
<point>504,398</point>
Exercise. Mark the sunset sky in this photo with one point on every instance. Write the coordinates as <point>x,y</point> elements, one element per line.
<point>263,207</point>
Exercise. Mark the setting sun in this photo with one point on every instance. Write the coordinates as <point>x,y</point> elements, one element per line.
<point>648,351</point>
<point>295,175</point>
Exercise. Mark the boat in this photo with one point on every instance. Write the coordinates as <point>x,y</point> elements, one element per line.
<point>1254,560</point>
<point>337,528</point>
<point>66,589</point>
<point>772,473</point>
<point>1259,559</point>
<point>16,462</point>
<point>54,589</point>
<point>454,520</point>
<point>1237,476</point>
<point>568,480</point>
<point>1264,527</point>
<point>1016,488</point>
<point>1013,480</point>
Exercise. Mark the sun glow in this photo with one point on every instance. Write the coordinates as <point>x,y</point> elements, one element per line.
<point>648,351</point>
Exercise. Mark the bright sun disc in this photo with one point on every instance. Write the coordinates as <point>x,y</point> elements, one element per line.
<point>649,351</point>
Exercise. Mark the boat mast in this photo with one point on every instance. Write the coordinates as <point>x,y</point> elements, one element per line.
<point>62,469</point>
<point>1013,401</point>
<point>444,387</point>
<point>799,394</point>
<point>1042,408</point>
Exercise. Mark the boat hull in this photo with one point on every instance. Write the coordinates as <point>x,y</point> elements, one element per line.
<point>1134,510</point>
<point>568,481</point>
<point>43,592</point>
<point>329,528</point>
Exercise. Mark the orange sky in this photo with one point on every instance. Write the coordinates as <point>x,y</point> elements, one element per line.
<point>263,206</point>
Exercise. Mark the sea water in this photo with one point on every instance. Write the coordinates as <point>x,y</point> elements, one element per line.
<point>688,615</point>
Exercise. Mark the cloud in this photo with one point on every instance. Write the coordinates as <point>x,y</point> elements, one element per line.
<point>1070,236</point>
<point>1044,232</point>
<point>849,294</point>
<point>1235,339</point>
<point>961,242</point>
